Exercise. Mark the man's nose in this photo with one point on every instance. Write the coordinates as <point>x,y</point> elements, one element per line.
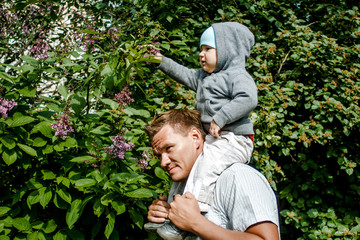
<point>165,160</point>
<point>201,54</point>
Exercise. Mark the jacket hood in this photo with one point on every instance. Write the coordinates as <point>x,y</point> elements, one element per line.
<point>234,42</point>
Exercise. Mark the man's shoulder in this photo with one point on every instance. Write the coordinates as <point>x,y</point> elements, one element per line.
<point>240,167</point>
<point>241,173</point>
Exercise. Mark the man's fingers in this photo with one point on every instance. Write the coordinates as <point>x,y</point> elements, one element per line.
<point>188,195</point>
<point>155,219</point>
<point>158,213</point>
<point>163,198</point>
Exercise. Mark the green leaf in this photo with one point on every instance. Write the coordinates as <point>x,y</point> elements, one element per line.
<point>77,103</point>
<point>45,196</point>
<point>110,226</point>
<point>44,128</point>
<point>77,207</point>
<point>8,142</point>
<point>69,142</point>
<point>160,173</point>
<point>169,18</point>
<point>28,91</point>
<point>99,208</point>
<point>136,217</point>
<point>30,60</point>
<point>85,182</point>
<point>50,226</point>
<point>63,91</point>
<point>27,149</point>
<point>106,71</point>
<point>140,193</point>
<point>4,210</point>
<point>74,213</point>
<point>20,120</point>
<point>90,32</point>
<point>111,103</point>
<point>9,156</point>
<point>6,77</point>
<point>83,159</point>
<point>39,142</point>
<point>100,130</point>
<point>21,224</point>
<point>132,111</point>
<point>119,207</point>
<point>64,195</point>
<point>60,236</point>
<point>108,198</point>
<point>48,175</point>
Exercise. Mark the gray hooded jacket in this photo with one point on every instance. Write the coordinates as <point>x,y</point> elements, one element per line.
<point>229,94</point>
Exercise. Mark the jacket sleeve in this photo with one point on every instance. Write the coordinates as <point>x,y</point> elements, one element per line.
<point>243,94</point>
<point>188,77</point>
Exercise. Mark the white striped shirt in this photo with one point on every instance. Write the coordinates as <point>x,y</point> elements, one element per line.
<point>243,197</point>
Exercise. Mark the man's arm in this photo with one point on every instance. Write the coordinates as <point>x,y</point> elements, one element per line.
<point>185,214</point>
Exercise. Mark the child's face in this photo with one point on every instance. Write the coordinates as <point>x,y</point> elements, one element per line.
<point>208,58</point>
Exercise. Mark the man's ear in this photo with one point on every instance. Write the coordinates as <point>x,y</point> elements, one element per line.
<point>196,135</point>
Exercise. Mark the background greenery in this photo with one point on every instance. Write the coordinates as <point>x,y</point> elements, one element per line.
<point>63,62</point>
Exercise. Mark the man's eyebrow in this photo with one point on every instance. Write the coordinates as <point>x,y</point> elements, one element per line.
<point>158,149</point>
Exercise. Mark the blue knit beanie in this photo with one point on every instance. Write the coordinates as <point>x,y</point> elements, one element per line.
<point>208,38</point>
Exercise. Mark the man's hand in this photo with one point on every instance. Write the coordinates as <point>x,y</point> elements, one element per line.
<point>158,210</point>
<point>214,129</point>
<point>184,211</point>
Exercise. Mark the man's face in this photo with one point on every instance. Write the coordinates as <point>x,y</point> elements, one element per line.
<point>178,153</point>
<point>208,58</point>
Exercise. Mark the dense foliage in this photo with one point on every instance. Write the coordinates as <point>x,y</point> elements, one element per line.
<point>78,84</point>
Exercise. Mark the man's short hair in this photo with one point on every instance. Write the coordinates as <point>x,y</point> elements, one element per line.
<point>180,120</point>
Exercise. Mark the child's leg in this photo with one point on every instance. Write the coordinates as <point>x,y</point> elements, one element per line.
<point>176,188</point>
<point>218,154</point>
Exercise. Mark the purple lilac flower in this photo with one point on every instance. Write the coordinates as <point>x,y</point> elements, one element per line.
<point>63,125</point>
<point>32,9</point>
<point>26,30</point>
<point>50,6</point>
<point>144,161</point>
<point>119,146</point>
<point>88,40</point>
<point>40,49</point>
<point>113,37</point>
<point>6,106</point>
<point>124,97</point>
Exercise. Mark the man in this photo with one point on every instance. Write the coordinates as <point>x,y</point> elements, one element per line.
<point>244,205</point>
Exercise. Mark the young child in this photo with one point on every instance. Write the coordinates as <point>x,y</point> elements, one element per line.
<point>225,96</point>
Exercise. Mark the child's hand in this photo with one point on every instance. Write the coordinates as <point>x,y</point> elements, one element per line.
<point>214,129</point>
<point>158,56</point>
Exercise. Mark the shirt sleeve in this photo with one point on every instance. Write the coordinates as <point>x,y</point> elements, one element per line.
<point>188,77</point>
<point>243,197</point>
